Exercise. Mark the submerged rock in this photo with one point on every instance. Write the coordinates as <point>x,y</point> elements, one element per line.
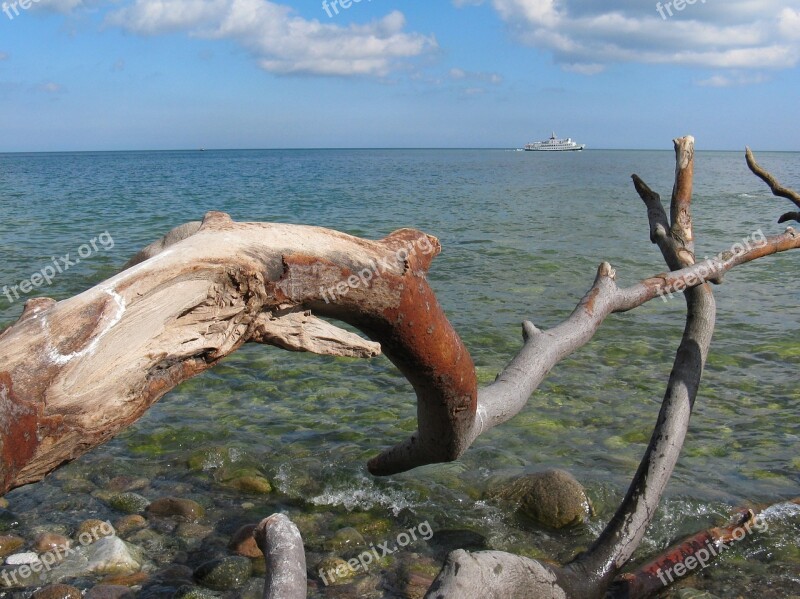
<point>345,538</point>
<point>243,542</point>
<point>251,484</point>
<point>8,520</point>
<point>48,541</point>
<point>225,573</point>
<point>57,591</point>
<point>9,544</point>
<point>19,559</point>
<point>129,523</point>
<point>176,507</point>
<point>334,570</point>
<point>553,498</point>
<point>129,503</point>
<point>109,591</point>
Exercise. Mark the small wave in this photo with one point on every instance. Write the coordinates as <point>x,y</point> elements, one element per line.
<point>781,511</point>
<point>363,499</point>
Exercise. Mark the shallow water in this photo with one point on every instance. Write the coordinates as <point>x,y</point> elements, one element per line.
<point>522,235</point>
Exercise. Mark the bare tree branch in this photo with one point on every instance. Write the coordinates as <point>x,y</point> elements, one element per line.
<point>282,546</point>
<point>776,188</point>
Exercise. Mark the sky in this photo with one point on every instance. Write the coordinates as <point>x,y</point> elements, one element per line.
<point>187,74</point>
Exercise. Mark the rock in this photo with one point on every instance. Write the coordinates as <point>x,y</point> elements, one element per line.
<point>49,541</point>
<point>108,556</point>
<point>175,575</point>
<point>57,591</point>
<point>251,484</point>
<point>19,559</point>
<point>344,538</point>
<point>8,520</point>
<point>127,483</point>
<point>130,503</point>
<point>224,574</point>
<point>193,592</point>
<point>552,498</point>
<point>176,507</point>
<point>129,523</point>
<point>254,589</point>
<point>9,544</point>
<point>109,591</point>
<point>191,530</point>
<point>127,580</point>
<point>243,542</point>
<point>334,570</point>
<point>90,531</point>
<point>3,503</point>
<point>695,594</point>
<point>211,458</point>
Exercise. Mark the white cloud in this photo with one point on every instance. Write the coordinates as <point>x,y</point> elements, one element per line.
<point>457,74</point>
<point>279,40</point>
<point>586,35</point>
<point>3,56</point>
<point>733,79</point>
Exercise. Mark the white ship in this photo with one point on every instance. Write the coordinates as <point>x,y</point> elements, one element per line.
<point>554,145</point>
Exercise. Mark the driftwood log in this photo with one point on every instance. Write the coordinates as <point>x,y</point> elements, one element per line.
<point>75,373</point>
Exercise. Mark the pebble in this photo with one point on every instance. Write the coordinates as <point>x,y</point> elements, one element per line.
<point>9,544</point>
<point>129,523</point>
<point>128,580</point>
<point>19,559</point>
<point>224,574</point>
<point>109,591</point>
<point>127,483</point>
<point>243,542</point>
<point>191,530</point>
<point>345,538</point>
<point>89,531</point>
<point>174,506</point>
<point>251,484</point>
<point>49,541</point>
<point>57,591</point>
<point>130,503</point>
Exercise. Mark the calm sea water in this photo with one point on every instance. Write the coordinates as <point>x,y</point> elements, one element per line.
<point>522,235</point>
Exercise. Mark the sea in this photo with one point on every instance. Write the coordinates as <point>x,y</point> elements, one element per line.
<point>522,235</point>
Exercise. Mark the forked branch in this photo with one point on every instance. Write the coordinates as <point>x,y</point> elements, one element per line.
<point>776,188</point>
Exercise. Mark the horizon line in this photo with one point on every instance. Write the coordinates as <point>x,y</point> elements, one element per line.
<point>365,148</point>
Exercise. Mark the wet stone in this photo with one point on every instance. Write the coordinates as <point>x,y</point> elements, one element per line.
<point>9,544</point>
<point>224,574</point>
<point>49,541</point>
<point>176,507</point>
<point>129,503</point>
<point>129,523</point>
<point>243,542</point>
<point>57,591</point>
<point>109,591</point>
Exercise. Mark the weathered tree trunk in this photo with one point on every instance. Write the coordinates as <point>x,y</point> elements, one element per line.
<point>75,373</point>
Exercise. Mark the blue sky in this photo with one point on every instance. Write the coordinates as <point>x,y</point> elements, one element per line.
<point>171,74</point>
